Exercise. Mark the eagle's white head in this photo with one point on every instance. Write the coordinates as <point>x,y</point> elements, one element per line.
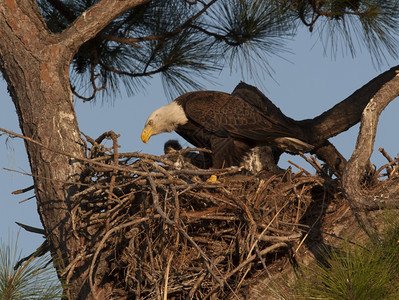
<point>164,119</point>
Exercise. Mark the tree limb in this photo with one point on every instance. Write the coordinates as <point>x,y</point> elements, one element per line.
<point>352,176</point>
<point>364,148</point>
<point>346,113</point>
<point>93,20</point>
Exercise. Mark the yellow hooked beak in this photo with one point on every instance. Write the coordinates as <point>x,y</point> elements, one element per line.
<point>146,133</point>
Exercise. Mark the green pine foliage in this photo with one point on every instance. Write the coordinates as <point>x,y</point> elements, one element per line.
<point>185,40</point>
<point>352,272</point>
<point>33,279</point>
<point>355,272</point>
<point>351,26</point>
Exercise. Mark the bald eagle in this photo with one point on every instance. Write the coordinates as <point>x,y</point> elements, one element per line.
<point>227,124</point>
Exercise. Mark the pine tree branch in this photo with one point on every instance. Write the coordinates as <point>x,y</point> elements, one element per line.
<point>93,20</point>
<point>142,74</point>
<point>358,200</point>
<point>217,36</point>
<point>364,148</point>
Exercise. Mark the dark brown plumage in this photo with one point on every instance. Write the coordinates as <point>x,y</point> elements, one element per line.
<point>227,124</point>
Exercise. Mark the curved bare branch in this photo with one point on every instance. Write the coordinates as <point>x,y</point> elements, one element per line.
<point>364,148</point>
<point>93,20</point>
<point>348,112</point>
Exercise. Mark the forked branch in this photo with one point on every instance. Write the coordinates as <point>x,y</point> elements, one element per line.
<point>386,196</point>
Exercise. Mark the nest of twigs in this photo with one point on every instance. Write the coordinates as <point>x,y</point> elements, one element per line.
<point>157,226</point>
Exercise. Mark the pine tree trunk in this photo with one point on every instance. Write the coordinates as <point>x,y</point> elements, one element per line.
<point>34,62</point>
<point>40,89</point>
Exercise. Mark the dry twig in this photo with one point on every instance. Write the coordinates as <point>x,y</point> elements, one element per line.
<point>135,211</point>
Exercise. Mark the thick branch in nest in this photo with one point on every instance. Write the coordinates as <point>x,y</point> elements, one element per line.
<point>139,218</point>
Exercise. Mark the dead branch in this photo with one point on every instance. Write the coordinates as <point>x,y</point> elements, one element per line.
<point>352,177</point>
<point>139,211</point>
<point>159,231</point>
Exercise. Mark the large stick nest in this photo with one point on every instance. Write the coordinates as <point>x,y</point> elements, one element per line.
<point>155,224</point>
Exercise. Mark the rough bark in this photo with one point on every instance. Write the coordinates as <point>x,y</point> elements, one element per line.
<point>387,195</point>
<point>34,62</point>
<point>364,148</point>
<point>37,76</point>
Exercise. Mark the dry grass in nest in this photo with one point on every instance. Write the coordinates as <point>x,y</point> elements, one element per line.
<point>157,227</point>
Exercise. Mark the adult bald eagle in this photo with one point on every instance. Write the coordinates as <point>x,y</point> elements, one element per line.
<point>228,124</point>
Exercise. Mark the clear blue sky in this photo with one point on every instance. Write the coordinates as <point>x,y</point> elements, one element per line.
<point>304,86</point>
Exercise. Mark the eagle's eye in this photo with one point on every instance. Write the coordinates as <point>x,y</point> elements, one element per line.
<point>150,122</point>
